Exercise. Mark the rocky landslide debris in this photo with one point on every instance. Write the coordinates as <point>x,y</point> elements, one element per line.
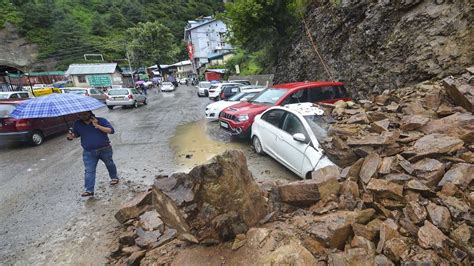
<point>404,195</point>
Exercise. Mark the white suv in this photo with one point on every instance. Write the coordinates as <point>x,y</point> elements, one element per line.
<point>216,89</point>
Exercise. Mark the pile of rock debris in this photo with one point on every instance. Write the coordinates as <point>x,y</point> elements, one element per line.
<point>403,193</point>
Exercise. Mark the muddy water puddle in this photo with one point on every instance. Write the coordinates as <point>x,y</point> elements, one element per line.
<point>197,142</point>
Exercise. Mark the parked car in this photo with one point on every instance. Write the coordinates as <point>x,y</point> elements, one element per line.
<point>5,95</point>
<point>203,88</point>
<point>237,119</point>
<point>242,81</point>
<point>32,130</point>
<point>167,86</point>
<point>124,97</point>
<point>213,109</point>
<point>94,93</point>
<point>230,91</point>
<point>215,89</point>
<point>291,135</point>
<point>182,81</point>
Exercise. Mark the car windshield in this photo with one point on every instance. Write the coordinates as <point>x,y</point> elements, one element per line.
<point>319,125</point>
<point>4,96</point>
<point>269,96</point>
<point>118,92</point>
<point>242,95</point>
<point>6,109</point>
<point>204,85</point>
<point>78,91</point>
<point>213,87</point>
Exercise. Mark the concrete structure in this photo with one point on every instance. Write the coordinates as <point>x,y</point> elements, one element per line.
<point>219,59</point>
<point>184,69</point>
<point>205,36</point>
<point>95,75</point>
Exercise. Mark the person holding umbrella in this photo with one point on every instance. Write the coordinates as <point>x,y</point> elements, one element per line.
<point>93,132</point>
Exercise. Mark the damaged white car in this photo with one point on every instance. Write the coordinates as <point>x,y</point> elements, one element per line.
<point>291,135</point>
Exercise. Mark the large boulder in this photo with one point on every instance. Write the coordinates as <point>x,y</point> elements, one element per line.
<point>213,202</point>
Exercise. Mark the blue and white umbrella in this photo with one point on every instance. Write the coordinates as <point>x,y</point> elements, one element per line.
<point>54,105</point>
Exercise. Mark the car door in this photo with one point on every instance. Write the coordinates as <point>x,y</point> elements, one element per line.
<point>292,152</point>
<point>269,129</point>
<point>140,97</point>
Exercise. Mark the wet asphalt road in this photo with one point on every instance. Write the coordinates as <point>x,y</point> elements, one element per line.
<point>43,219</point>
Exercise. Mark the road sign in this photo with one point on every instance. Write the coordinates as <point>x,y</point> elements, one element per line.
<point>99,81</point>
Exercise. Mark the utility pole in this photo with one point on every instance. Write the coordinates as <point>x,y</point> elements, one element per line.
<point>130,66</point>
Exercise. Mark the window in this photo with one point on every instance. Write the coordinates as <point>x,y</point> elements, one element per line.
<point>293,125</point>
<point>24,95</point>
<point>300,96</point>
<point>14,96</point>
<point>81,79</point>
<point>269,96</point>
<point>134,91</point>
<point>327,93</point>
<point>274,117</point>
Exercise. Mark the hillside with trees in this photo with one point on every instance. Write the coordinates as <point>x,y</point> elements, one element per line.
<point>64,30</point>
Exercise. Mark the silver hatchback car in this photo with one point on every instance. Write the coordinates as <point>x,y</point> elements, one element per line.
<point>124,97</point>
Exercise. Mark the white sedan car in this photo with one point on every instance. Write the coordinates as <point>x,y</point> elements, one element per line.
<point>213,109</point>
<point>124,97</point>
<point>167,86</point>
<point>290,135</point>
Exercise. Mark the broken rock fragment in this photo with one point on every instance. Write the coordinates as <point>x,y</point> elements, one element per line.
<point>415,212</point>
<point>214,201</point>
<point>412,122</point>
<point>151,221</point>
<point>369,167</point>
<point>429,171</point>
<point>386,189</point>
<point>460,174</point>
<point>439,216</point>
<point>436,144</point>
<point>133,208</point>
<point>429,236</point>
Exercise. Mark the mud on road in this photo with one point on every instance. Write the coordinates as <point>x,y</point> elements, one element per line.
<point>43,220</point>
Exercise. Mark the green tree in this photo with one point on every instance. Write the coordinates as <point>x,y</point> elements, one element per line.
<point>151,42</point>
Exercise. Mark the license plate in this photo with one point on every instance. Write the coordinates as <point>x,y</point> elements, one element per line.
<point>224,125</point>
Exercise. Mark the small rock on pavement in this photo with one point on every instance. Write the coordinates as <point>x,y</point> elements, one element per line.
<point>133,208</point>
<point>429,236</point>
<point>151,221</point>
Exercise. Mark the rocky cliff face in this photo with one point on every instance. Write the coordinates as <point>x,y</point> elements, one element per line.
<point>377,45</point>
<point>15,51</point>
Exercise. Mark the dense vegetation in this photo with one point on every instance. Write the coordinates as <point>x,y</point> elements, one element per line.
<point>260,29</point>
<point>67,29</point>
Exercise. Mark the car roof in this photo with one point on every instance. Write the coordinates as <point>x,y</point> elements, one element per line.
<point>307,84</point>
<point>11,92</point>
<point>302,108</point>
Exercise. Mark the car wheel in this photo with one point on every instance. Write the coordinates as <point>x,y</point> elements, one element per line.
<point>206,93</point>
<point>37,138</point>
<point>145,101</point>
<point>110,107</point>
<point>257,145</point>
<point>135,104</point>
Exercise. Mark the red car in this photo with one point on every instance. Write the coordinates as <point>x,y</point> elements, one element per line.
<point>237,119</point>
<point>32,130</point>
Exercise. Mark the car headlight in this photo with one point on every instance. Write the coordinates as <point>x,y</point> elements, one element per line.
<point>242,118</point>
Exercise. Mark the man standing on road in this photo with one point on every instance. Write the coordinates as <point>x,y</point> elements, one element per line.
<point>93,132</point>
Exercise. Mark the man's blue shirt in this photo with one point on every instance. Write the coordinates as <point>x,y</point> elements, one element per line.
<point>91,137</point>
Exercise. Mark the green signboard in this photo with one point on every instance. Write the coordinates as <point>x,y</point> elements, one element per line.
<point>99,81</point>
